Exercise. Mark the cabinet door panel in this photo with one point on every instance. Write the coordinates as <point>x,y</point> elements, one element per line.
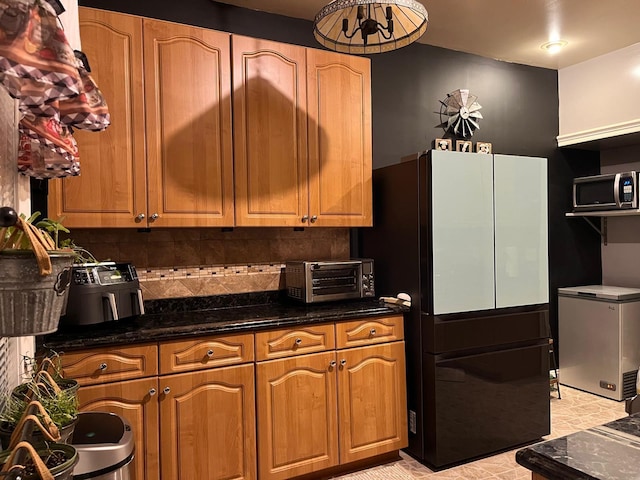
<point>132,401</point>
<point>462,213</point>
<point>109,364</point>
<point>188,107</point>
<point>372,401</point>
<point>297,417</point>
<point>287,342</point>
<point>208,424</point>
<point>358,333</point>
<point>270,132</point>
<point>340,158</point>
<point>522,272</point>
<point>205,352</point>
<point>111,189</point>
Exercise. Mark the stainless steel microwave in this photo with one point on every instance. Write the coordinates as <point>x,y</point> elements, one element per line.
<point>615,191</point>
<point>312,282</point>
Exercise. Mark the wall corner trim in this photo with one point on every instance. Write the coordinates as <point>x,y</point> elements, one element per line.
<point>607,131</point>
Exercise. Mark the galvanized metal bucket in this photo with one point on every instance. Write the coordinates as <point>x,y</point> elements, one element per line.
<point>30,304</point>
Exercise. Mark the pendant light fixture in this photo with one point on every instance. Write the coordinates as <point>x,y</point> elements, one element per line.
<point>369,26</point>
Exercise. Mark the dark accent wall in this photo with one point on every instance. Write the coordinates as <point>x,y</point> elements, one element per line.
<point>520,109</point>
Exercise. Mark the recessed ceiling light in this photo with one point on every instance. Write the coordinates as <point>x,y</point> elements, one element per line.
<point>553,47</point>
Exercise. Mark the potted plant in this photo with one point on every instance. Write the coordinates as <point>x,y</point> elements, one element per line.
<point>61,407</point>
<point>47,461</point>
<point>56,395</point>
<point>36,274</point>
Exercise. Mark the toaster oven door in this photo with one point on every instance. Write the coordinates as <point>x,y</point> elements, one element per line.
<point>335,281</point>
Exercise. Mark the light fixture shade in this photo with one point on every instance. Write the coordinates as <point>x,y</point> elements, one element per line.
<point>409,23</point>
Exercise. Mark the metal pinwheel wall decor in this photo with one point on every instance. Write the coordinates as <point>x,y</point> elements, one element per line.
<point>459,113</point>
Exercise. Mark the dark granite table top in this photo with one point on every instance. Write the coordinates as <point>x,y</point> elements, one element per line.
<point>181,318</point>
<point>611,452</point>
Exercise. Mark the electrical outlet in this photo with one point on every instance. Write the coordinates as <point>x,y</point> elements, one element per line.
<point>412,422</point>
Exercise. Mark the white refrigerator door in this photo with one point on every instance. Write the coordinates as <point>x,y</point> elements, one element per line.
<point>521,250</point>
<point>462,219</point>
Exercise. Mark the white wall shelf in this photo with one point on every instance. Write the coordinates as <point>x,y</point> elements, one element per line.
<point>607,213</point>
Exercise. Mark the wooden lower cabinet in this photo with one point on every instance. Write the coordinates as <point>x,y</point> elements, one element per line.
<point>186,426</point>
<point>297,415</point>
<point>207,424</point>
<point>325,409</point>
<point>136,402</point>
<point>372,401</point>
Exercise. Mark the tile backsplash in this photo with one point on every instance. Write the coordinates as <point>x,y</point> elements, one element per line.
<point>208,261</point>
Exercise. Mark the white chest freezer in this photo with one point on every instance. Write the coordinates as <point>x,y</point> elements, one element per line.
<point>599,339</point>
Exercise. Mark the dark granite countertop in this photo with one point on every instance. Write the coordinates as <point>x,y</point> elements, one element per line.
<point>181,318</point>
<point>611,452</point>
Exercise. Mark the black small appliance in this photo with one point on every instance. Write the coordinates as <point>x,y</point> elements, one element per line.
<point>102,292</point>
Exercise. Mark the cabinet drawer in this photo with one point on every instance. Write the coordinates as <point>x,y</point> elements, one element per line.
<point>369,331</point>
<point>102,365</point>
<point>294,341</point>
<point>185,355</point>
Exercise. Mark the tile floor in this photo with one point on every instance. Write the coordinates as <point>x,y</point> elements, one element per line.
<point>576,411</point>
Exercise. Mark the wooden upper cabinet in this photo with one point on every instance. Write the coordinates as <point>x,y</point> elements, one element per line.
<point>111,189</point>
<point>340,145</point>
<point>270,133</point>
<point>167,158</point>
<point>188,112</point>
<point>302,129</point>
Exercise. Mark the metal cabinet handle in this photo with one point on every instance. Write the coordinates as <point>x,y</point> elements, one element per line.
<point>152,392</point>
<point>154,217</point>
<point>210,353</point>
<point>332,364</point>
<point>313,219</point>
<point>298,341</point>
<point>140,217</point>
<point>103,366</point>
<point>304,219</point>
<point>372,332</point>
<point>166,390</point>
<point>343,362</point>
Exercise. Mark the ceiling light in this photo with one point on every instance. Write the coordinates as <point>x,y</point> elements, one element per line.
<point>369,26</point>
<point>554,46</point>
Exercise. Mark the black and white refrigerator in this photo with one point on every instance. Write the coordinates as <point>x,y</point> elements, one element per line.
<point>465,234</point>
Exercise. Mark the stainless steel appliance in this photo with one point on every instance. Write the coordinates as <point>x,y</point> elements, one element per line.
<point>105,446</point>
<point>598,335</point>
<point>614,191</point>
<point>476,337</point>
<point>102,292</point>
<point>324,281</point>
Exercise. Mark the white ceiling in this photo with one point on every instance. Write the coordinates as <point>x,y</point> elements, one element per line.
<point>510,30</point>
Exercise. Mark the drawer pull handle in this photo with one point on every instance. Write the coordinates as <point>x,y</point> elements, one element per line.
<point>332,364</point>
<point>103,366</point>
<point>372,332</point>
<point>152,392</point>
<point>343,362</point>
<point>304,218</point>
<point>298,341</point>
<point>166,390</point>
<point>210,353</point>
